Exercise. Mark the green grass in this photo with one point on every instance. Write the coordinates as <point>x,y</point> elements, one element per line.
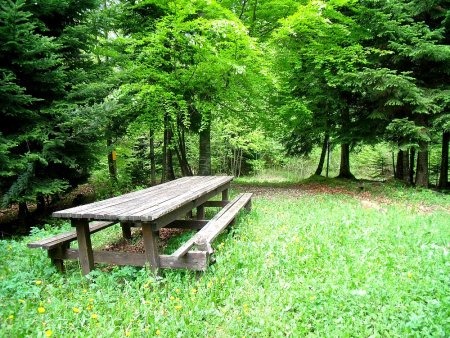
<point>316,266</point>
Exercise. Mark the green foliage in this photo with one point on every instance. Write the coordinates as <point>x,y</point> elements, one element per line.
<point>290,267</point>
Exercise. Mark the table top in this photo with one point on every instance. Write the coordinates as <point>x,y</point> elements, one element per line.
<point>147,204</point>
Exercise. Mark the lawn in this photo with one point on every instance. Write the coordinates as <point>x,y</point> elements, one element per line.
<point>336,261</point>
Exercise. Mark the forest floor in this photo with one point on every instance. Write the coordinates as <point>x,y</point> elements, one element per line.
<point>318,258</point>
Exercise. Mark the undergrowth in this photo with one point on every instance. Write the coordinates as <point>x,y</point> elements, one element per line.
<point>319,265</point>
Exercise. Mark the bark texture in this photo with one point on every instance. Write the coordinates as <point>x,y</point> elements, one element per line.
<point>443,176</point>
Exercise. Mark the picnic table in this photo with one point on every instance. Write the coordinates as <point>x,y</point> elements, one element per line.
<point>164,205</point>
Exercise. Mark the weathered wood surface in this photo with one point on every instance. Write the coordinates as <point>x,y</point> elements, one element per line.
<point>84,245</point>
<point>55,241</point>
<point>150,239</point>
<point>197,260</point>
<point>149,204</point>
<point>219,222</point>
<point>187,224</point>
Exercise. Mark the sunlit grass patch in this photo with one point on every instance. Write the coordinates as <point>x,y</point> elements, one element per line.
<point>317,265</point>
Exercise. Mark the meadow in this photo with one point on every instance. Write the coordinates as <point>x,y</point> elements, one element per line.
<point>319,259</point>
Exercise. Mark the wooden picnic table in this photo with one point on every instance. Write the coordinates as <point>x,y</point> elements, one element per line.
<point>151,209</point>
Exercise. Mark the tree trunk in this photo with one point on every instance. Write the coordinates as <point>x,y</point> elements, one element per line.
<point>205,151</point>
<point>112,163</point>
<point>170,171</point>
<point>406,169</point>
<point>399,170</point>
<point>344,170</point>
<point>443,176</point>
<point>40,204</point>
<point>152,157</point>
<point>422,165</point>
<point>393,165</point>
<point>181,154</point>
<point>322,154</point>
<point>165,150</point>
<point>328,157</point>
<point>412,158</point>
<point>23,217</point>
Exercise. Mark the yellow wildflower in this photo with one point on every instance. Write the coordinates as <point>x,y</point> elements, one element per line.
<point>91,300</point>
<point>409,275</point>
<point>38,282</point>
<point>177,291</point>
<point>84,290</point>
<point>158,332</point>
<point>76,310</point>
<point>172,297</point>
<point>89,307</point>
<point>41,309</point>
<point>94,316</point>
<point>127,333</point>
<point>11,317</point>
<point>194,291</point>
<point>48,333</point>
<point>21,301</point>
<point>312,298</point>
<point>178,307</point>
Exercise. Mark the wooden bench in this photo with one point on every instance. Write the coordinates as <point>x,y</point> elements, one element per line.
<point>57,244</point>
<point>203,239</point>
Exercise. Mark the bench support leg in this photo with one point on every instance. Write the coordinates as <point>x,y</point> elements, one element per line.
<point>86,255</point>
<point>248,206</point>
<point>225,195</point>
<point>126,230</point>
<point>149,238</point>
<point>200,212</point>
<point>58,252</point>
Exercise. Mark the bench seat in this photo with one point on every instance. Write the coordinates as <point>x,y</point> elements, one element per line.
<point>67,237</point>
<point>215,226</point>
<point>57,244</point>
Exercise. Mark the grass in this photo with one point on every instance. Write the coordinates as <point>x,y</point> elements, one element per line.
<point>319,265</point>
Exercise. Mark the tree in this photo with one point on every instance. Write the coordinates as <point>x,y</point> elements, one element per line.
<point>44,148</point>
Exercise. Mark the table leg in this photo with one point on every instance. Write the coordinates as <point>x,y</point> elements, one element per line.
<point>225,195</point>
<point>126,230</point>
<point>149,238</point>
<point>86,255</point>
<point>200,212</point>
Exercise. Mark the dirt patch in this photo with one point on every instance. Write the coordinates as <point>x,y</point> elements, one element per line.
<point>136,244</point>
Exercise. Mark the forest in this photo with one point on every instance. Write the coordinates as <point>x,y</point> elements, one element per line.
<point>333,116</point>
<point>134,93</point>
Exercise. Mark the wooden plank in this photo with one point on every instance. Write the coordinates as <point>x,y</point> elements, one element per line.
<point>215,225</point>
<point>86,257</point>
<point>191,199</point>
<point>150,198</point>
<point>151,246</point>
<point>197,260</point>
<point>149,212</point>
<point>55,241</point>
<point>216,204</point>
<point>123,201</point>
<point>223,182</point>
<point>187,224</point>
<point>67,213</point>
<point>176,214</point>
<point>183,249</point>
